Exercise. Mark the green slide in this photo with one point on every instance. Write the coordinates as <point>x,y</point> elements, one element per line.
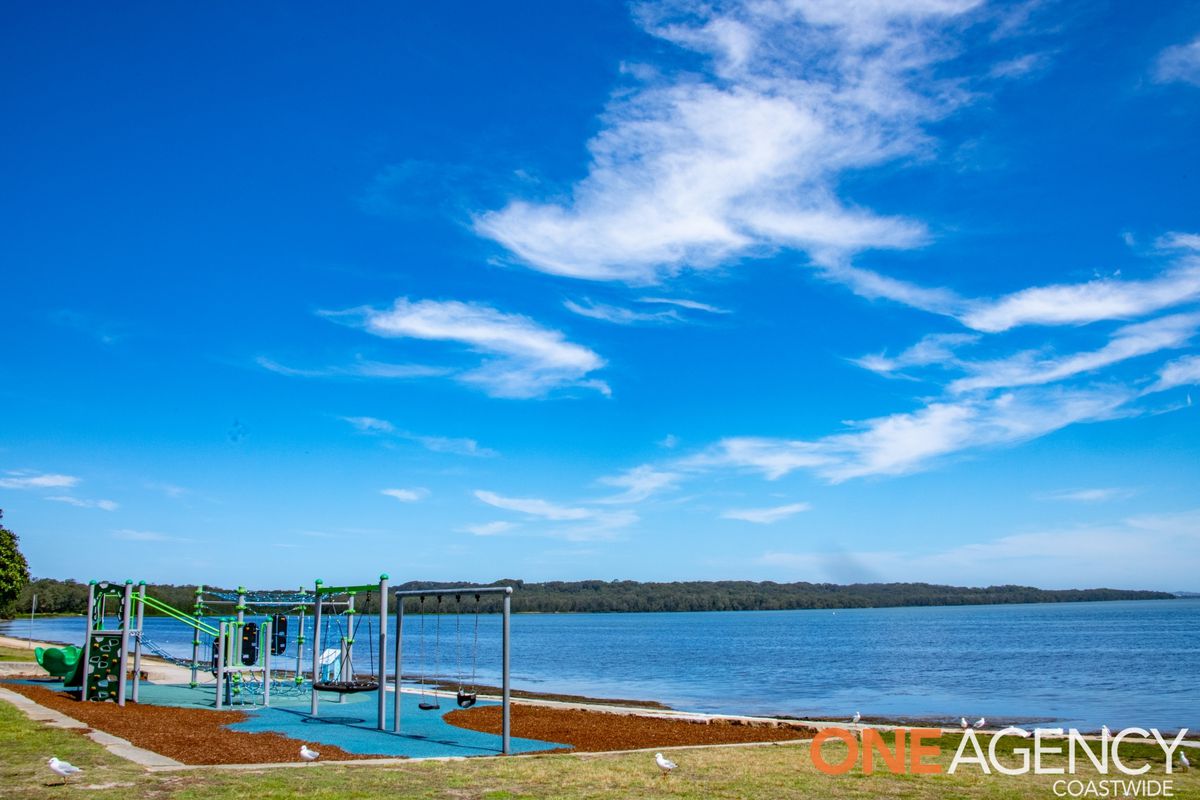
<point>60,662</point>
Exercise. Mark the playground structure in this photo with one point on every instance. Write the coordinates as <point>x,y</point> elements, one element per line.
<point>241,651</point>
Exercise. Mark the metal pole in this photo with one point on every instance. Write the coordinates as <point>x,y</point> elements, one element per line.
<point>197,612</point>
<point>220,665</point>
<point>32,611</point>
<point>137,640</point>
<point>506,711</point>
<point>399,662</point>
<point>381,706</point>
<point>267,665</point>
<point>87,640</point>
<point>123,662</point>
<point>316,673</point>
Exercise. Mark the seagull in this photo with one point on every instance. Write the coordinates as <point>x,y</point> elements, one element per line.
<point>857,717</point>
<point>963,721</point>
<point>979,723</point>
<point>1183,761</point>
<point>665,764</point>
<point>1104,731</point>
<point>63,768</point>
<point>308,755</point>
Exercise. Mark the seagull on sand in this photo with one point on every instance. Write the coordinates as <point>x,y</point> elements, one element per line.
<point>1183,762</point>
<point>665,764</point>
<point>979,723</point>
<point>963,721</point>
<point>308,755</point>
<point>857,716</point>
<point>63,769</point>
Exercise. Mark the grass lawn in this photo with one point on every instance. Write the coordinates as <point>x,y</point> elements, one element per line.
<point>16,654</point>
<point>776,771</point>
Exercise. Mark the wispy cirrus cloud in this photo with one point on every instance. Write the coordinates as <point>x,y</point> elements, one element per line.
<point>574,523</point>
<point>406,495</point>
<point>640,483</point>
<point>1097,495</point>
<point>766,516</point>
<point>1029,368</point>
<point>359,368</point>
<point>103,505</point>
<point>523,359</point>
<point>490,528</point>
<point>902,443</point>
<point>1179,63</point>
<point>699,172</point>
<point>676,311</point>
<point>28,479</point>
<point>460,446</point>
<point>934,349</point>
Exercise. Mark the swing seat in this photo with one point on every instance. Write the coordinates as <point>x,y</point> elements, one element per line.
<point>425,706</point>
<point>466,699</point>
<point>346,687</point>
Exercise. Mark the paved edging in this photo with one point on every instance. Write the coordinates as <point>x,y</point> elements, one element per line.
<point>122,748</point>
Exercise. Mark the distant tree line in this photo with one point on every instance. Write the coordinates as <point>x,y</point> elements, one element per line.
<point>70,597</point>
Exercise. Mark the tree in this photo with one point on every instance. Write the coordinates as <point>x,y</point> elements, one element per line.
<point>14,569</point>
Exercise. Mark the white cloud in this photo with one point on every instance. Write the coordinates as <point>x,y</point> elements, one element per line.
<point>361,368</point>
<point>1028,368</point>
<point>436,444</point>
<point>936,348</point>
<point>586,524</point>
<point>694,173</point>
<point>371,424</point>
<point>1080,303</point>
<point>640,483</point>
<point>524,360</point>
<point>618,314</point>
<point>1147,551</point>
<point>1179,62</point>
<point>128,535</point>
<point>454,445</point>
<point>103,505</point>
<point>534,507</point>
<point>26,479</point>
<point>692,305</point>
<point>907,442</point>
<point>490,528</point>
<point>406,495</point>
<point>766,516</point>
<point>1183,371</point>
<point>1089,495</point>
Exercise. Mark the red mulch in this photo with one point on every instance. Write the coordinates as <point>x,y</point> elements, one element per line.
<point>188,735</point>
<point>598,731</point>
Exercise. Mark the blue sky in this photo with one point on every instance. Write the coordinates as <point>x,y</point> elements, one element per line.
<point>814,290</point>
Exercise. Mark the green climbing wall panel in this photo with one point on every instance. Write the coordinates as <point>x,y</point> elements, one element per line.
<point>104,667</point>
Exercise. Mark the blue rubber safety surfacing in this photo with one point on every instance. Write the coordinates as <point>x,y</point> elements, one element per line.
<point>350,725</point>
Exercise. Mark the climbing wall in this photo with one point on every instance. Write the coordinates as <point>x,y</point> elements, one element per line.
<point>104,667</point>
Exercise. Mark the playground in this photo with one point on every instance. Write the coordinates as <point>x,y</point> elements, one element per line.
<point>271,671</point>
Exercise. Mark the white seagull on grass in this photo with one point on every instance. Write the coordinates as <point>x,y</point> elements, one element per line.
<point>1183,761</point>
<point>857,716</point>
<point>665,764</point>
<point>963,721</point>
<point>979,723</point>
<point>308,755</point>
<point>63,769</point>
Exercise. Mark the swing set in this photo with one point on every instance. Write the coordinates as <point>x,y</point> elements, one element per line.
<point>467,692</point>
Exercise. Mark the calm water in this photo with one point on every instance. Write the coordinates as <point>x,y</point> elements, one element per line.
<point>1085,664</point>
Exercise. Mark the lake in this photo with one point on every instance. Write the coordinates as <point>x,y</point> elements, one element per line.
<point>1081,664</point>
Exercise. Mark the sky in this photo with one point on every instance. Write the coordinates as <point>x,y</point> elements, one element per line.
<point>792,290</point>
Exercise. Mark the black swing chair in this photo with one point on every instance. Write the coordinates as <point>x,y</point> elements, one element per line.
<point>429,702</point>
<point>464,698</point>
<point>352,686</point>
